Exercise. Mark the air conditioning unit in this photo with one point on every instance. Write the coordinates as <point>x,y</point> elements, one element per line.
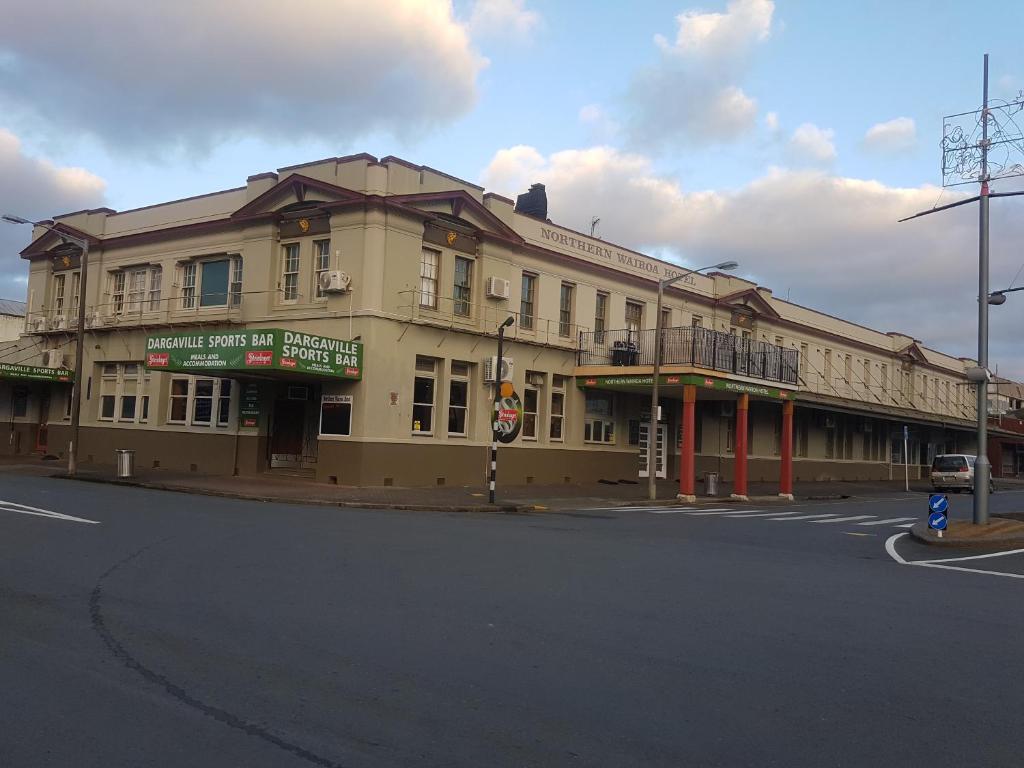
<point>497,288</point>
<point>95,321</point>
<point>59,323</point>
<point>507,369</point>
<point>39,325</point>
<point>335,281</point>
<point>728,408</point>
<point>53,358</point>
<point>535,379</point>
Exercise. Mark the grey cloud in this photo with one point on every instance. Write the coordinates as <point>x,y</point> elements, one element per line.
<point>157,76</point>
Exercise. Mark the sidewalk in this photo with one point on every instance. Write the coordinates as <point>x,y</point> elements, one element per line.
<point>519,498</point>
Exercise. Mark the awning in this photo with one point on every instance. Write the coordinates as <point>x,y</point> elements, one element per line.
<point>35,373</point>
<point>255,351</point>
<point>678,379</point>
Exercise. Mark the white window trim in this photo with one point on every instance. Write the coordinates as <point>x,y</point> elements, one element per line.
<point>536,414</point>
<point>118,380</point>
<point>285,273</point>
<point>418,374</point>
<point>432,279</point>
<point>458,377</point>
<point>551,412</point>
<point>319,267</point>
<point>190,397</point>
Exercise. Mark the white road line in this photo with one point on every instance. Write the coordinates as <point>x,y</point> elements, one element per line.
<point>763,514</point>
<point>23,509</point>
<point>843,519</point>
<point>890,520</point>
<point>890,547</point>
<point>973,557</point>
<point>802,517</point>
<point>643,508</point>
<point>906,525</point>
<point>722,512</point>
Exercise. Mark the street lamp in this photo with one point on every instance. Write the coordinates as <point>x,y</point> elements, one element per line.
<point>76,380</point>
<point>999,297</point>
<point>652,434</point>
<point>497,397</point>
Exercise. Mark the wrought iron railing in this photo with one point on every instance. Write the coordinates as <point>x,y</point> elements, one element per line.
<point>700,347</point>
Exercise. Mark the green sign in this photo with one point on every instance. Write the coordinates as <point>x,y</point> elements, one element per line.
<point>678,379</point>
<point>34,373</point>
<point>261,349</point>
<point>249,407</point>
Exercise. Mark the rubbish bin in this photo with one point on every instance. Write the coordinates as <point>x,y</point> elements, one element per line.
<point>710,483</point>
<point>125,463</point>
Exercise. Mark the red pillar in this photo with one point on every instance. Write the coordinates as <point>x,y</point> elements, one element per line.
<point>740,472</point>
<point>786,469</point>
<point>687,468</point>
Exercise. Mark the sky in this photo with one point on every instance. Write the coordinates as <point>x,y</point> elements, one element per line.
<point>790,135</point>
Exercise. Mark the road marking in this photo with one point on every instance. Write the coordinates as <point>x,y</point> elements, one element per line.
<point>890,520</point>
<point>722,512</point>
<point>854,533</point>
<point>843,519</point>
<point>973,557</point>
<point>802,517</point>
<point>906,525</point>
<point>763,514</point>
<point>890,547</point>
<point>24,509</point>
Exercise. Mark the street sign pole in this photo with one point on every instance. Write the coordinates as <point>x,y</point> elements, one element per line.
<point>497,397</point>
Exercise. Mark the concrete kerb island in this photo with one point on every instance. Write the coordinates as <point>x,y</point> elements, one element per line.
<point>1000,533</point>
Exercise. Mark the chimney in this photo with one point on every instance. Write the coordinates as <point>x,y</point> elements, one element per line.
<point>533,203</point>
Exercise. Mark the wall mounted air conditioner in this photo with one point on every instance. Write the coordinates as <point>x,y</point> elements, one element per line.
<point>507,369</point>
<point>59,323</point>
<point>39,324</point>
<point>497,288</point>
<point>335,281</point>
<point>53,358</point>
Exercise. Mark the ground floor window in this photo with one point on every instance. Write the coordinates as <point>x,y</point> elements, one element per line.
<point>530,413</point>
<point>598,425</point>
<point>200,401</point>
<point>557,414</point>
<point>458,399</point>
<point>424,395</point>
<point>124,393</point>
<point>19,401</point>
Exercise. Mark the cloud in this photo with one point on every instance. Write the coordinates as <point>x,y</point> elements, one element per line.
<point>702,70</point>
<point>35,189</point>
<point>811,144</point>
<point>771,121</point>
<point>833,242</point>
<point>894,135</point>
<point>506,18</point>
<point>189,74</point>
<point>717,35</point>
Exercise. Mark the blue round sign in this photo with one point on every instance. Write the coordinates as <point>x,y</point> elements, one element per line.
<point>938,503</point>
<point>937,521</point>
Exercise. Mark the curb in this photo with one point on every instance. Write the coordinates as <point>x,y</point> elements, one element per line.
<point>508,509</point>
<point>925,535</point>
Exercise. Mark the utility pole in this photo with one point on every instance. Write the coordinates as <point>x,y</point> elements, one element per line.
<point>966,159</point>
<point>498,380</point>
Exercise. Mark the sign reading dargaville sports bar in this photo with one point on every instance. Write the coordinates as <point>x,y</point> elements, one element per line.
<point>255,350</point>
<point>34,373</point>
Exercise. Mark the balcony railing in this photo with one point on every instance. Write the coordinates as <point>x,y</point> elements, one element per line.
<point>699,347</point>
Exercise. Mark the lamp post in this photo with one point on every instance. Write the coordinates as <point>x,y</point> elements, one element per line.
<point>76,381</point>
<point>652,434</point>
<point>497,396</point>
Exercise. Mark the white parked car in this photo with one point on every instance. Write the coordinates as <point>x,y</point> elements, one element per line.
<point>955,472</point>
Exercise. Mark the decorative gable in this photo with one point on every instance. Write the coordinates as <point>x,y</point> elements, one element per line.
<point>292,192</point>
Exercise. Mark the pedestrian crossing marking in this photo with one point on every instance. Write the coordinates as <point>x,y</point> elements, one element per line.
<point>722,513</point>
<point>802,517</point>
<point>889,520</point>
<point>843,519</point>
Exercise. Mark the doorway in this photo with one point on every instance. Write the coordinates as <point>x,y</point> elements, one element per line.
<point>293,438</point>
<point>659,453</point>
<point>42,428</point>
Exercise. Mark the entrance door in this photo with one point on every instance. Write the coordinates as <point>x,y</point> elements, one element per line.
<point>659,453</point>
<point>287,438</point>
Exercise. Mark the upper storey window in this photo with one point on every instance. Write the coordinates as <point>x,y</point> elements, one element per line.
<point>212,283</point>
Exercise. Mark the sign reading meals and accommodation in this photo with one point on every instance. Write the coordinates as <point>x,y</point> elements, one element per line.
<point>266,349</point>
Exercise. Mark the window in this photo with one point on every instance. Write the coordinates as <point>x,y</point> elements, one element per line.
<point>123,396</point>
<point>530,399</point>
<point>828,369</point>
<point>19,401</point>
<point>804,351</point>
<point>557,415</point>
<point>429,261</point>
<point>199,401</point>
<point>565,310</point>
<point>883,374</point>
<point>634,316</point>
<point>866,383</point>
<point>458,398</point>
<point>462,292</point>
<point>117,292</point>
<point>156,275</point>
<point>236,281</point>
<point>290,273</point>
<point>188,286</point>
<point>697,321</point>
<point>76,282</point>
<point>600,317</point>
<point>666,317</point>
<point>598,426</point>
<point>321,263</point>
<point>526,302</point>
<point>215,283</point>
<point>848,370</point>
<point>136,289</point>
<point>58,295</point>
<point>423,390</point>
<point>778,341</point>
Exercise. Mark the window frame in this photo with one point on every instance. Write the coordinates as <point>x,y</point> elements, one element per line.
<point>431,375</point>
<point>639,319</point>
<point>58,294</point>
<point>429,274</point>
<point>558,389</point>
<point>462,379</point>
<point>528,301</point>
<point>321,265</point>
<point>603,423</point>
<point>154,288</point>
<point>566,302</point>
<point>190,396</point>
<point>529,390</point>
<point>236,274</point>
<point>600,316</point>
<point>462,293</point>
<point>290,277</point>
<point>189,278</point>
<point>120,381</point>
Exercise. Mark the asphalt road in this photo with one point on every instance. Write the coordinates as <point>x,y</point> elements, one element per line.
<point>182,630</point>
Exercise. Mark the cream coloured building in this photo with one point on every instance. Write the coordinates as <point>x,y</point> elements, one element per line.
<point>337,319</point>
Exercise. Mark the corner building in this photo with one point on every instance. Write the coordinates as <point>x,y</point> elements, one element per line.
<point>337,320</point>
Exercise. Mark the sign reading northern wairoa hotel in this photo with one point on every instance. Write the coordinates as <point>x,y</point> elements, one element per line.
<point>591,249</point>
<point>255,350</point>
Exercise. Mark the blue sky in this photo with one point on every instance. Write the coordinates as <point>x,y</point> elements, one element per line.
<point>693,129</point>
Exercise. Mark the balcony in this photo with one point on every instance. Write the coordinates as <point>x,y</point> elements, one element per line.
<point>698,347</point>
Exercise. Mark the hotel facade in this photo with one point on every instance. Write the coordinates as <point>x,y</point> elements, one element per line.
<point>338,320</point>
